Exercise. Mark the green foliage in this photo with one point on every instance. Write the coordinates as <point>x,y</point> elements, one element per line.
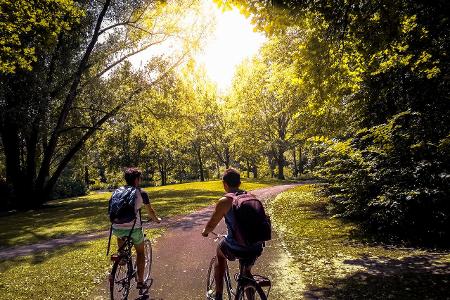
<point>376,75</point>
<point>393,179</point>
<point>28,25</point>
<point>69,187</point>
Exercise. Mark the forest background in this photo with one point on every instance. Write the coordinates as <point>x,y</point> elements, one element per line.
<point>355,93</point>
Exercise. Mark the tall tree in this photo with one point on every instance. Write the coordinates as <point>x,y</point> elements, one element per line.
<point>45,109</point>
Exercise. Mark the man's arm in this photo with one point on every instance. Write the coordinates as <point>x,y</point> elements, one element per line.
<point>221,209</point>
<point>152,214</point>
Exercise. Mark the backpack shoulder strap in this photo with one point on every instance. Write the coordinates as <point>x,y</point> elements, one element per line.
<point>236,194</point>
<point>230,195</point>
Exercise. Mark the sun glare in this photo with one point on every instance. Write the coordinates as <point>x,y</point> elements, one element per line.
<point>232,41</point>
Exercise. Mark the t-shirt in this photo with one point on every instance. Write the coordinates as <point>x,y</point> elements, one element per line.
<point>145,197</point>
<point>137,205</point>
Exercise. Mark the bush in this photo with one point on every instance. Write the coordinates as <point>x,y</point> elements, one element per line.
<point>393,178</point>
<point>96,185</point>
<point>69,187</point>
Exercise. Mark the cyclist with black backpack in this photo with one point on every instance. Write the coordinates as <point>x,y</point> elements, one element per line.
<point>247,224</point>
<point>125,215</point>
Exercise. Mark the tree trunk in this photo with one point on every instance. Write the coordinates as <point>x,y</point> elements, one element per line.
<point>255,171</point>
<point>163,172</point>
<point>200,162</point>
<point>248,168</point>
<point>86,176</point>
<point>280,163</point>
<point>300,159</point>
<point>227,157</point>
<point>295,162</point>
<point>23,192</point>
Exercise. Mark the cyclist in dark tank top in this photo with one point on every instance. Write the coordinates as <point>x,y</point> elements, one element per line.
<point>229,248</point>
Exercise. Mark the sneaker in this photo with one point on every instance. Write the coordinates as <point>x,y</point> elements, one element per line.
<point>143,288</point>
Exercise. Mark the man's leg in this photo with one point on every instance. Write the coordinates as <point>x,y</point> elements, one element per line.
<point>119,242</point>
<point>140,262</point>
<point>219,272</point>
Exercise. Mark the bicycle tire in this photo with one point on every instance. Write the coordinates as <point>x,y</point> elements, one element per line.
<point>228,283</point>
<point>148,259</point>
<point>210,281</point>
<point>120,280</point>
<point>253,287</point>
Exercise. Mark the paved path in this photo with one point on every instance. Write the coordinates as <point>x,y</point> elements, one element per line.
<point>181,255</point>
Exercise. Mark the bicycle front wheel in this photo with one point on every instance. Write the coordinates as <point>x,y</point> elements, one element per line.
<point>210,281</point>
<point>119,280</point>
<point>250,291</point>
<point>148,259</point>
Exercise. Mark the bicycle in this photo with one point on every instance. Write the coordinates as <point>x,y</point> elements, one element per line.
<point>247,288</point>
<point>124,269</point>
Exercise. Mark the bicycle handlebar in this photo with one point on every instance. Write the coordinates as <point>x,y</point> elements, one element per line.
<point>218,236</point>
<point>148,221</point>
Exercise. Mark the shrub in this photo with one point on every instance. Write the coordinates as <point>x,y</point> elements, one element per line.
<point>393,178</point>
<point>69,187</point>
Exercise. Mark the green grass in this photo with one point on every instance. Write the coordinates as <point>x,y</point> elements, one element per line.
<point>89,213</point>
<point>330,261</point>
<point>70,272</point>
<point>76,271</point>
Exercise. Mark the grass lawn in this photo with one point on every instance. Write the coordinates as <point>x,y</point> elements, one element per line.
<point>73,272</point>
<point>331,262</point>
<point>70,272</point>
<point>89,213</point>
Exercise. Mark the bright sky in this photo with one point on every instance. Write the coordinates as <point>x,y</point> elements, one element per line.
<point>232,42</point>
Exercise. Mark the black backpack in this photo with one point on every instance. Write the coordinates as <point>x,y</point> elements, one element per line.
<point>121,207</point>
<point>252,223</point>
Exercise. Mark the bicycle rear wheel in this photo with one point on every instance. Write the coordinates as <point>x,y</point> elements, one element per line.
<point>148,259</point>
<point>119,280</point>
<point>250,291</point>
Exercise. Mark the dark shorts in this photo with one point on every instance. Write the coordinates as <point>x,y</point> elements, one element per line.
<point>246,258</point>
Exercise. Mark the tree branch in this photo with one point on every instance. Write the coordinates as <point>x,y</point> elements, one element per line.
<point>68,157</point>
<point>120,60</point>
<point>48,153</point>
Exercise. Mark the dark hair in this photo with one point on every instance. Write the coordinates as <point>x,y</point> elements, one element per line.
<point>131,174</point>
<point>232,178</point>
